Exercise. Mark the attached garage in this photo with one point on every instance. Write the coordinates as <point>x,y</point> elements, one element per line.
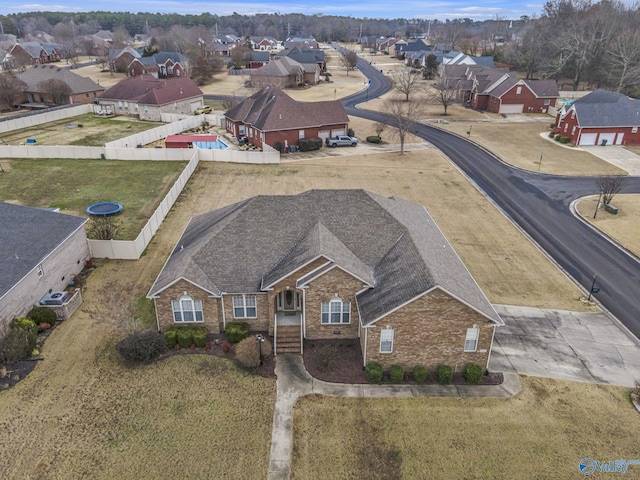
<point>338,131</point>
<point>324,134</point>
<point>588,139</point>
<point>511,109</point>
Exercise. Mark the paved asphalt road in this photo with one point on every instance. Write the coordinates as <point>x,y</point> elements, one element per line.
<point>540,205</point>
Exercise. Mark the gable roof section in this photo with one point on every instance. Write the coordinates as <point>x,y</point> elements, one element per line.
<point>27,236</point>
<point>282,67</point>
<point>148,90</point>
<point>391,243</point>
<point>39,73</point>
<point>602,108</point>
<point>272,110</point>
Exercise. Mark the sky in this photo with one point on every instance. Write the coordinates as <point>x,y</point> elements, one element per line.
<point>438,9</point>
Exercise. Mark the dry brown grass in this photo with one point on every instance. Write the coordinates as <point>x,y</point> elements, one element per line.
<point>544,432</point>
<point>622,227</point>
<point>520,144</point>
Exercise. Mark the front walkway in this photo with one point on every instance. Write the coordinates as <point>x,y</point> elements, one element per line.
<point>294,381</point>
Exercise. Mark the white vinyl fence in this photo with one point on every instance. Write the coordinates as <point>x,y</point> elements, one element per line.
<point>42,151</point>
<point>132,249</point>
<point>44,117</point>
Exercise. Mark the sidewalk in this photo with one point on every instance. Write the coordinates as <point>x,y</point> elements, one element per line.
<point>294,381</point>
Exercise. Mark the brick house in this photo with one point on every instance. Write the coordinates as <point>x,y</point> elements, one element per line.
<point>601,117</point>
<point>81,89</point>
<point>160,65</point>
<point>342,264</point>
<point>34,53</point>
<point>272,117</point>
<point>40,252</point>
<point>148,97</point>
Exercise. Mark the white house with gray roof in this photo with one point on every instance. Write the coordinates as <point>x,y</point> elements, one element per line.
<point>40,252</point>
<point>330,264</point>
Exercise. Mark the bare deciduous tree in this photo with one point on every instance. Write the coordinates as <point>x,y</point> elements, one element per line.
<point>55,91</point>
<point>406,83</point>
<point>379,128</point>
<point>609,187</point>
<point>405,115</point>
<point>443,94</point>
<point>10,87</point>
<point>349,60</point>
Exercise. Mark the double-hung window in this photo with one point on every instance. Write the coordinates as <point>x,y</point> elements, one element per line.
<point>336,311</point>
<point>471,340</point>
<point>386,340</point>
<point>187,309</point>
<point>244,306</point>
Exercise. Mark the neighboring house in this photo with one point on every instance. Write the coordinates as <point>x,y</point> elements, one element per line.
<point>402,47</point>
<point>273,118</point>
<point>34,53</point>
<point>81,89</point>
<point>385,44</point>
<point>335,264</point>
<point>40,252</point>
<point>148,97</point>
<point>301,42</point>
<point>601,118</point>
<point>264,43</point>
<point>281,73</point>
<point>259,59</point>
<point>160,65</point>
<point>305,56</point>
<point>119,59</point>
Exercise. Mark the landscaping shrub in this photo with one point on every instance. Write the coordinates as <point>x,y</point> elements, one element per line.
<point>557,137</point>
<point>226,347</point>
<point>267,349</point>
<point>473,374</point>
<point>373,372</point>
<point>171,337</point>
<point>350,132</point>
<point>236,331</point>
<point>200,338</point>
<point>24,324</point>
<point>309,144</point>
<point>552,134</point>
<point>564,139</point>
<point>185,337</point>
<point>142,346</point>
<point>552,126</point>
<point>42,315</point>
<point>17,344</point>
<point>444,374</point>
<point>247,353</point>
<point>396,374</point>
<point>419,373</point>
<point>374,139</point>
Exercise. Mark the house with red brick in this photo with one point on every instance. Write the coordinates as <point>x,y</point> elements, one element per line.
<point>34,53</point>
<point>349,264</point>
<point>601,118</point>
<point>272,117</point>
<point>148,97</point>
<point>39,93</point>
<point>160,65</point>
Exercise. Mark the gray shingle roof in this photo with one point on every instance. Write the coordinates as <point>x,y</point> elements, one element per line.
<point>27,236</point>
<point>38,73</point>
<point>602,108</point>
<point>390,243</point>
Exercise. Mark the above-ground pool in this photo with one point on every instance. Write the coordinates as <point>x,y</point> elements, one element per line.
<point>104,208</point>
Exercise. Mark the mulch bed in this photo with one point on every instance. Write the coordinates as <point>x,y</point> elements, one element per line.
<point>340,361</point>
<point>16,371</point>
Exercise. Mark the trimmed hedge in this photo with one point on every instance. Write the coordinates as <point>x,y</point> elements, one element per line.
<point>373,372</point>
<point>374,139</point>
<point>350,132</point>
<point>171,336</point>
<point>419,373</point>
<point>309,144</point>
<point>200,339</point>
<point>185,338</point>
<point>247,353</point>
<point>445,375</point>
<point>236,331</point>
<point>18,343</point>
<point>396,374</point>
<point>564,139</point>
<point>142,346</point>
<point>42,315</point>
<point>473,374</point>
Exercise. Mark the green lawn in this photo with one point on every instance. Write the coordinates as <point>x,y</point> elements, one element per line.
<point>95,131</point>
<point>543,432</point>
<point>73,185</point>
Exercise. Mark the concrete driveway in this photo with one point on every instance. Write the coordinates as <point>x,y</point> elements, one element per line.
<point>618,156</point>
<point>588,347</point>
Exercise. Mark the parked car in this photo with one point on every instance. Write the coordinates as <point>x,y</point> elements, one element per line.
<point>341,141</point>
<point>202,109</point>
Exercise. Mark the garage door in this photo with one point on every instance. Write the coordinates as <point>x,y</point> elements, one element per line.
<point>511,109</point>
<point>338,131</point>
<point>324,134</point>
<point>588,139</point>
<point>609,137</point>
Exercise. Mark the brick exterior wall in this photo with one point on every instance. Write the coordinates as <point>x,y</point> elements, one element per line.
<point>258,324</point>
<point>431,331</point>
<point>324,289</point>
<point>532,104</point>
<point>211,310</point>
<point>566,127</point>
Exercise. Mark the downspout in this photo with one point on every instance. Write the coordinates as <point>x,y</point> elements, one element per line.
<point>155,306</point>
<point>224,317</point>
<point>493,336</point>
<point>364,354</point>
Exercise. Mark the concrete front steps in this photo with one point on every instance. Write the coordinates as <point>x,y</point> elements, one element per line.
<point>288,339</point>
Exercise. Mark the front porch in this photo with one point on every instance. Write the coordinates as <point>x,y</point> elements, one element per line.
<point>287,332</point>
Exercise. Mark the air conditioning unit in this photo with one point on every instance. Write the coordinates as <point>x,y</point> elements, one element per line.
<point>54,298</point>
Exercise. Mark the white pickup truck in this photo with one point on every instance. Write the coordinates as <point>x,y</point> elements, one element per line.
<point>341,141</point>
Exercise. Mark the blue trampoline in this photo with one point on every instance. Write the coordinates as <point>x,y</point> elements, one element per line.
<point>104,208</point>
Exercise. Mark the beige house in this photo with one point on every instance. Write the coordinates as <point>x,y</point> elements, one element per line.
<point>330,264</point>
<point>40,253</point>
